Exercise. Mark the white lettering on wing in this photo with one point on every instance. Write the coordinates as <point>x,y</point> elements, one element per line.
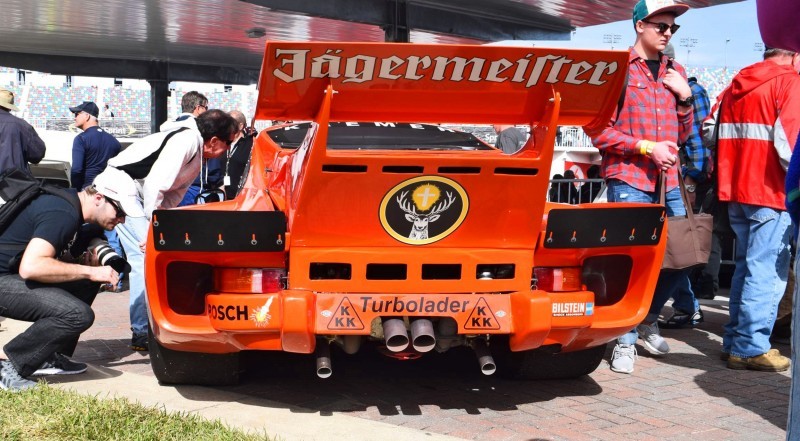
<point>531,70</point>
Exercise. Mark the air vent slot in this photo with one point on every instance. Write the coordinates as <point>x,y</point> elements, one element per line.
<point>437,271</point>
<point>409,169</point>
<point>344,168</point>
<point>460,170</point>
<point>329,271</point>
<point>495,271</point>
<point>516,171</point>
<point>386,271</point>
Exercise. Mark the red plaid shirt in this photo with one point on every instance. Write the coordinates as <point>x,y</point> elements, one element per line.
<point>650,112</point>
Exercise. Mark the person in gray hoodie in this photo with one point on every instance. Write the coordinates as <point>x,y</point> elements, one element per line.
<point>163,165</point>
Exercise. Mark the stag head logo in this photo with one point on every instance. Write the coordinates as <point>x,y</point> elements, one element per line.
<point>424,210</point>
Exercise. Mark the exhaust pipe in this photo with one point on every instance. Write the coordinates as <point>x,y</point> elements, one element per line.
<point>485,360</point>
<point>422,336</point>
<point>395,334</point>
<point>323,353</point>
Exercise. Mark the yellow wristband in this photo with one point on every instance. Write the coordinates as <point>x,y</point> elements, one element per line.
<point>646,147</point>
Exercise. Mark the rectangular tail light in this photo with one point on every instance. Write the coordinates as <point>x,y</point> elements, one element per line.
<point>557,279</point>
<point>249,280</point>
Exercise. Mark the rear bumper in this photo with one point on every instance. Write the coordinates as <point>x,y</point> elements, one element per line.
<point>292,319</point>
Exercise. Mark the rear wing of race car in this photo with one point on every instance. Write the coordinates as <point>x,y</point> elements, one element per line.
<point>412,83</point>
<point>419,83</point>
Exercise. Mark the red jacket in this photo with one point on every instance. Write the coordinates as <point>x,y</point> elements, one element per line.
<point>759,115</point>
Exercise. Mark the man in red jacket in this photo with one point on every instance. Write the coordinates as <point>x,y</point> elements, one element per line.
<point>759,119</point>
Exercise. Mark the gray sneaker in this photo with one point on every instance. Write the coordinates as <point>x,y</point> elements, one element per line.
<point>653,340</point>
<point>59,364</point>
<point>623,358</point>
<point>11,380</point>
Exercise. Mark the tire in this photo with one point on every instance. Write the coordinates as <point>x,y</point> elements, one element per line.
<point>178,367</point>
<point>543,364</point>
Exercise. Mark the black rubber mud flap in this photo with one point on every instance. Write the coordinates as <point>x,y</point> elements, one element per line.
<point>543,364</point>
<point>178,367</point>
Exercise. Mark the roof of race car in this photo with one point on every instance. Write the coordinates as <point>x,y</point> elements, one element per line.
<point>381,136</point>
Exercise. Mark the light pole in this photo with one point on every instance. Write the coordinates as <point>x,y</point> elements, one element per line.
<point>611,39</point>
<point>727,40</point>
<point>688,43</point>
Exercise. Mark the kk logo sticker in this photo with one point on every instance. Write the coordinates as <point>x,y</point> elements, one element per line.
<point>424,210</point>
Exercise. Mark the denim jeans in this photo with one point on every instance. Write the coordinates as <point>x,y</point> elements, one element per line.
<point>793,421</point>
<point>759,280</point>
<point>131,234</point>
<point>113,241</point>
<point>673,284</point>
<point>59,312</point>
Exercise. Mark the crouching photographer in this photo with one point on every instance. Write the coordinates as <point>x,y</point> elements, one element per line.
<point>37,286</point>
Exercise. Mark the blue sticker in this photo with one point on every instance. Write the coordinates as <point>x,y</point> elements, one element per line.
<point>589,308</point>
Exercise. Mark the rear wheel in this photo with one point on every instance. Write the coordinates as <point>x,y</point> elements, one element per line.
<point>178,367</point>
<point>544,364</point>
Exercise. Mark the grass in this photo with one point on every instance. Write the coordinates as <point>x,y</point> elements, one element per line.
<point>46,413</point>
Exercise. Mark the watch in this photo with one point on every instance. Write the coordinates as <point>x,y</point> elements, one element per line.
<point>691,188</point>
<point>687,102</point>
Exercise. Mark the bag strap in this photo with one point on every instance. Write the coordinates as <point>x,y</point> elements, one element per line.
<point>140,169</point>
<point>684,195</point>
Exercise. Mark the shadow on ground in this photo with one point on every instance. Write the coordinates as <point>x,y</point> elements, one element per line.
<point>369,380</point>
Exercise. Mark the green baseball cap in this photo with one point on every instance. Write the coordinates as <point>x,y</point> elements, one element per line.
<point>646,8</point>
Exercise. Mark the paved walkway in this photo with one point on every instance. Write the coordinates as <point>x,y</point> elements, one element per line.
<point>686,395</point>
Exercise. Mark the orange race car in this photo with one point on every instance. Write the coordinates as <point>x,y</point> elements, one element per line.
<point>372,225</point>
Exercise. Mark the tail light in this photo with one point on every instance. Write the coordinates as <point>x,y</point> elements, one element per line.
<point>557,279</point>
<point>249,280</point>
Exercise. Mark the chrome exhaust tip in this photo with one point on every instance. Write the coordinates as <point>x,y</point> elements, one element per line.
<point>485,359</point>
<point>323,352</point>
<point>422,336</point>
<point>395,334</point>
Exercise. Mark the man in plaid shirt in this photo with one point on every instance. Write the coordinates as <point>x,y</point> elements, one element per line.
<point>641,142</point>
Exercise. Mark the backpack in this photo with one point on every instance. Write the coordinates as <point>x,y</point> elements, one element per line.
<point>141,168</point>
<point>18,189</point>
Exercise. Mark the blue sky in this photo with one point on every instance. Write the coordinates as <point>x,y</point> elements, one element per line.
<point>706,29</point>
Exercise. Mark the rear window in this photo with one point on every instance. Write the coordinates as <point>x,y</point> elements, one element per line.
<point>382,136</point>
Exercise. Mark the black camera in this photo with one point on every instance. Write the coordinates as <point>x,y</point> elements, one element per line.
<point>107,256</point>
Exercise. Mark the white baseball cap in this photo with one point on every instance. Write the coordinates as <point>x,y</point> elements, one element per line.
<point>119,186</point>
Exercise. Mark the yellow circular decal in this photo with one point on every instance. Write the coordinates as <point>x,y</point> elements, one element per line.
<point>423,210</point>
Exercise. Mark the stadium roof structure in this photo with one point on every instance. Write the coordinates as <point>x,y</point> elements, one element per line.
<point>222,41</point>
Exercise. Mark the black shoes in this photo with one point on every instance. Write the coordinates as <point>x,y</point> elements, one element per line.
<point>139,342</point>
<point>681,319</point>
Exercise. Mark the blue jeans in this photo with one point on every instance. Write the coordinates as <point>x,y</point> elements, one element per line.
<point>131,234</point>
<point>673,284</point>
<point>113,241</point>
<point>759,280</point>
<point>793,421</point>
<point>59,312</point>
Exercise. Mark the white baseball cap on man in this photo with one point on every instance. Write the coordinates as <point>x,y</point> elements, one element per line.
<point>119,186</point>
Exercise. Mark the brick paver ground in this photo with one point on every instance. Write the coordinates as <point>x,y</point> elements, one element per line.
<point>686,395</point>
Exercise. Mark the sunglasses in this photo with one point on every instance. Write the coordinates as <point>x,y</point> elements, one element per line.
<point>118,210</point>
<point>662,27</point>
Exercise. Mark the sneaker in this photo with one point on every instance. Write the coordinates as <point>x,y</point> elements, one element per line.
<point>653,340</point>
<point>772,361</point>
<point>682,318</point>
<point>11,380</point>
<point>623,358</point>
<point>59,364</point>
<point>139,342</point>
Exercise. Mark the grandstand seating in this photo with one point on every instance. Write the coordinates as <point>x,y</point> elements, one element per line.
<point>47,102</point>
<point>128,104</point>
<point>54,102</point>
<point>714,79</point>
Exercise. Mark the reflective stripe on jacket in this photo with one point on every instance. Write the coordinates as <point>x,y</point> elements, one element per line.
<point>760,113</point>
